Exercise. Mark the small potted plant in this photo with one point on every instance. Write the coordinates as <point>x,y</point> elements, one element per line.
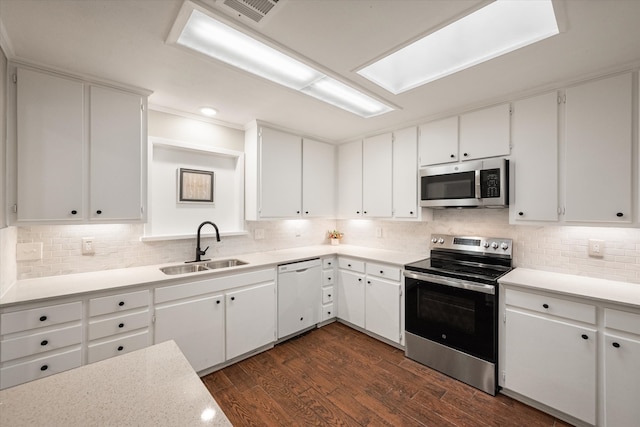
<point>335,237</point>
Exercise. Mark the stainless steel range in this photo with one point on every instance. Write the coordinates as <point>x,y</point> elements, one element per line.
<point>451,307</point>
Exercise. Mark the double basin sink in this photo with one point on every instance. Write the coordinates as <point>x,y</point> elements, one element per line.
<point>206,266</point>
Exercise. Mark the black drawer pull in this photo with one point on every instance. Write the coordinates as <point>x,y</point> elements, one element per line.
<point>121,325</point>
<point>619,214</point>
<point>521,213</point>
<point>44,367</point>
<point>44,342</point>
<point>616,345</point>
<point>121,303</point>
<point>99,212</point>
<point>585,336</point>
<point>73,212</point>
<point>328,263</point>
<point>348,265</point>
<point>545,305</point>
<point>43,318</point>
<point>466,154</point>
<point>120,348</point>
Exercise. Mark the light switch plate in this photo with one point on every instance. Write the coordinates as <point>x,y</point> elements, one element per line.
<point>28,251</point>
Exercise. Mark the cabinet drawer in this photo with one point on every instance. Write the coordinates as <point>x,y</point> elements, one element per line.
<point>327,295</point>
<point>622,320</point>
<point>553,306</point>
<point>351,264</point>
<point>116,303</point>
<point>40,342</point>
<point>328,263</point>
<point>327,312</point>
<point>328,278</point>
<point>38,317</point>
<point>385,271</point>
<point>115,347</point>
<point>39,368</point>
<point>118,324</point>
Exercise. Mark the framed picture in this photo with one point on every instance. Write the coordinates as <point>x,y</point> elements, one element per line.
<point>195,186</point>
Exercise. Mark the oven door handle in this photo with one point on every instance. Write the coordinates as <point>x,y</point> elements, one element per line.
<point>477,287</point>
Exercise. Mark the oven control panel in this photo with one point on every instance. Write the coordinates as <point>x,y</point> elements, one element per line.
<point>472,244</point>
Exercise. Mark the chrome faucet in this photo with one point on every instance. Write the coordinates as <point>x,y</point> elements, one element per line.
<point>200,252</point>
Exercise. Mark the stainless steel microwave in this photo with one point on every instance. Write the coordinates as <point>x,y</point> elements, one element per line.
<point>474,184</point>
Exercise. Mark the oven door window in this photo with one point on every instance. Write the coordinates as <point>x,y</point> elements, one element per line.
<point>458,318</point>
<point>460,185</point>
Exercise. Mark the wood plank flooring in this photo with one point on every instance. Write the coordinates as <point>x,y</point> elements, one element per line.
<point>336,376</point>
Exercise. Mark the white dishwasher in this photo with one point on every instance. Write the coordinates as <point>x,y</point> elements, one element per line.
<point>299,296</point>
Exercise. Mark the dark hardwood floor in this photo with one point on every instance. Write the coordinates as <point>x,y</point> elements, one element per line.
<point>336,376</point>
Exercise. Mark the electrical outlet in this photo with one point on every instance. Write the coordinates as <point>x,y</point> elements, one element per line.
<point>258,233</point>
<point>87,246</point>
<point>378,232</point>
<point>596,248</point>
<point>28,251</point>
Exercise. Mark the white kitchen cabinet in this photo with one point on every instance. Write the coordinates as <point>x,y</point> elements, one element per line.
<point>318,179</point>
<point>350,180</point>
<point>535,159</point>
<point>116,185</point>
<point>50,147</point>
<point>599,151</point>
<point>621,368</point>
<point>438,142</point>
<point>382,304</point>
<point>251,319</point>
<point>377,176</point>
<point>197,326</point>
<point>80,151</point>
<point>351,297</point>
<point>405,173</point>
<point>485,133</point>
<point>299,296</point>
<point>550,352</point>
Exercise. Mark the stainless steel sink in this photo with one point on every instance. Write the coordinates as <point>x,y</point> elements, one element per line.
<point>224,263</point>
<point>194,268</point>
<point>183,269</point>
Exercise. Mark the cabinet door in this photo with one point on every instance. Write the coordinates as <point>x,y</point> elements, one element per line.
<point>318,179</point>
<point>377,186</point>
<point>350,179</point>
<point>251,319</point>
<point>549,361</point>
<point>438,142</point>
<point>598,163</point>
<point>280,174</point>
<point>298,300</point>
<point>116,155</point>
<point>50,131</point>
<point>351,298</point>
<point>621,381</point>
<point>382,304</point>
<point>485,133</point>
<point>535,158</point>
<point>197,326</point>
<point>405,173</point>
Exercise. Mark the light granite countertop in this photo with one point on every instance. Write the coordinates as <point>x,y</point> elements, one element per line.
<point>155,386</point>
<point>42,289</point>
<point>578,286</point>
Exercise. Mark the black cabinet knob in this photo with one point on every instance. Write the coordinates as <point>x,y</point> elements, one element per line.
<point>329,295</point>
<point>616,345</point>
<point>121,303</point>
<point>306,212</point>
<point>585,336</point>
<point>233,298</point>
<point>521,213</point>
<point>619,214</point>
<point>466,154</point>
<point>218,302</point>
<point>73,212</point>
<point>328,278</point>
<point>364,212</point>
<point>44,367</point>
<point>453,156</point>
<point>43,318</point>
<point>545,305</point>
<point>297,212</point>
<point>410,212</point>
<point>359,280</point>
<point>120,348</point>
<point>121,325</point>
<point>44,342</point>
<point>301,319</point>
<point>329,313</point>
<point>329,263</point>
<point>99,212</point>
<point>381,271</point>
<point>369,282</point>
<point>348,265</point>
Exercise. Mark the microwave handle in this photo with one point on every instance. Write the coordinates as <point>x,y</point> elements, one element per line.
<point>478,188</point>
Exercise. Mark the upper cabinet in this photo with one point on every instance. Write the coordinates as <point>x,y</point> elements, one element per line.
<point>350,180</point>
<point>377,155</point>
<point>287,176</point>
<point>79,149</point>
<point>405,173</point>
<point>438,142</point>
<point>599,151</point>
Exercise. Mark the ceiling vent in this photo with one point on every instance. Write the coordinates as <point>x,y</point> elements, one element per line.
<point>255,10</point>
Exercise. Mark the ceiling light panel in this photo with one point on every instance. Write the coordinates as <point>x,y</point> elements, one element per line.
<point>498,28</point>
<point>209,36</point>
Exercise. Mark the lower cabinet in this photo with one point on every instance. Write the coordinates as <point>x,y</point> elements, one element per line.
<point>351,298</point>
<point>382,314</point>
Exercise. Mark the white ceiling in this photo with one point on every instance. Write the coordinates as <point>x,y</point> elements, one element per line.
<point>124,41</point>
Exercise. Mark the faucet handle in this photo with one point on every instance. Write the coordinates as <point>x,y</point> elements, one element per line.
<point>204,251</point>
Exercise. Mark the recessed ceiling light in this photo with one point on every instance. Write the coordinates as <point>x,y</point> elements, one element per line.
<point>498,28</point>
<point>208,111</point>
<point>197,29</point>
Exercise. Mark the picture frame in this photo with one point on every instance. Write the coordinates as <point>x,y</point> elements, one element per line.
<point>195,186</point>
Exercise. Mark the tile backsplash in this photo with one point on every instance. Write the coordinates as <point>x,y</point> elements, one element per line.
<point>553,248</point>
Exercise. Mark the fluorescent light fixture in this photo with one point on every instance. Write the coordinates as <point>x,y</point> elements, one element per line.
<point>498,28</point>
<point>217,40</point>
<point>208,111</point>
